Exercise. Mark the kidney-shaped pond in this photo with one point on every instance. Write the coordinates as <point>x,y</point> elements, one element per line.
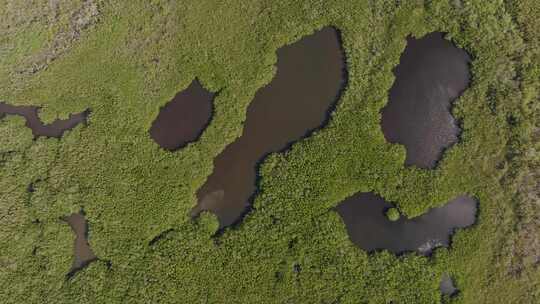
<point>369,227</point>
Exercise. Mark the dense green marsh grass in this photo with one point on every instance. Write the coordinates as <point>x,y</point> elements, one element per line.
<point>292,248</point>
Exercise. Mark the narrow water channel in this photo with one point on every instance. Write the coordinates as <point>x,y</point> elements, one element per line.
<point>308,82</point>
<point>30,113</point>
<point>82,253</point>
<point>431,74</point>
<point>370,229</point>
<point>184,118</point>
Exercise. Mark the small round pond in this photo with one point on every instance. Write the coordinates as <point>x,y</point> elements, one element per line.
<point>184,118</point>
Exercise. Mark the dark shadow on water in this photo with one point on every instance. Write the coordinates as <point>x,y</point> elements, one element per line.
<point>370,229</point>
<point>159,237</point>
<point>30,113</point>
<point>83,254</point>
<point>431,74</point>
<point>310,78</point>
<point>183,119</point>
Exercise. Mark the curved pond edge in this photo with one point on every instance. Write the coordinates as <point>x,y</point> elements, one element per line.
<point>55,129</point>
<point>83,254</point>
<point>326,116</point>
<point>432,74</point>
<point>183,119</point>
<point>364,216</point>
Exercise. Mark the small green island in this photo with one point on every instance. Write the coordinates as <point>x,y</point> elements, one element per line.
<point>392,214</point>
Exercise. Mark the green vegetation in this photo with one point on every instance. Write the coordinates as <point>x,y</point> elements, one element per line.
<point>392,214</point>
<point>292,248</point>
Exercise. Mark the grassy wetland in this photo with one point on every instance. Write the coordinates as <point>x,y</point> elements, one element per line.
<point>123,61</point>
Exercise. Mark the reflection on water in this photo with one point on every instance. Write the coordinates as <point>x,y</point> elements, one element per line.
<point>370,229</point>
<point>431,74</point>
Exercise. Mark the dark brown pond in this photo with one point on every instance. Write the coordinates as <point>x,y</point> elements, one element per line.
<point>83,254</point>
<point>184,118</point>
<point>447,286</point>
<point>55,129</point>
<point>370,229</point>
<point>310,76</point>
<point>431,74</point>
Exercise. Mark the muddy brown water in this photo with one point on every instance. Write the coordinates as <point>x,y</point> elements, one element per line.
<point>184,118</point>
<point>308,82</point>
<point>370,229</point>
<point>431,74</point>
<point>447,286</point>
<point>30,113</point>
<point>83,254</point>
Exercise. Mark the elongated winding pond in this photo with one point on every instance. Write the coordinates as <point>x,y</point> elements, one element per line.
<point>310,76</point>
<point>370,229</point>
<point>431,74</point>
<point>30,113</point>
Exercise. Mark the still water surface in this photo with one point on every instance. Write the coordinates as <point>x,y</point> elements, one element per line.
<point>184,118</point>
<point>447,286</point>
<point>55,129</point>
<point>431,74</point>
<point>309,78</point>
<point>370,229</point>
<point>83,254</point>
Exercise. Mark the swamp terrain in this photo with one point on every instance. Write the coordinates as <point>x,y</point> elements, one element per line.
<point>100,202</point>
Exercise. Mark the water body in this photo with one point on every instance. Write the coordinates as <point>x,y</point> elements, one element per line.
<point>55,129</point>
<point>447,286</point>
<point>370,229</point>
<point>83,254</point>
<point>310,76</point>
<point>184,118</point>
<point>431,74</point>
